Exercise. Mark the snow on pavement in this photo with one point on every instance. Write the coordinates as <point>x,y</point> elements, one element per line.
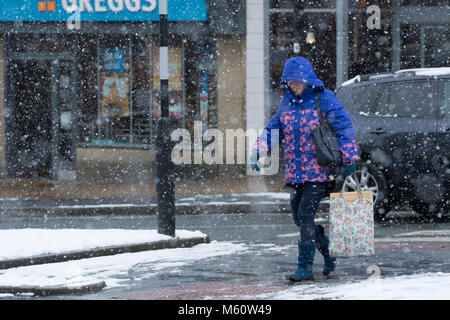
<point>114,270</point>
<point>119,269</point>
<point>22,243</point>
<point>426,286</point>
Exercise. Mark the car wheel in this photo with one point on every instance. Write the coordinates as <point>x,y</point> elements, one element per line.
<point>372,179</point>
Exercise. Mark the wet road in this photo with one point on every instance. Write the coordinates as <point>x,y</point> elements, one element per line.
<point>405,245</point>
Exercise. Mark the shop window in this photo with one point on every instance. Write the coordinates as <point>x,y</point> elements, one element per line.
<point>115,87</point>
<point>207,85</point>
<point>370,50</point>
<point>141,84</point>
<point>425,3</point>
<point>114,107</point>
<point>176,84</point>
<point>303,28</point>
<point>201,84</point>
<point>410,46</point>
<point>436,46</point>
<point>120,90</point>
<point>88,93</point>
<point>106,95</point>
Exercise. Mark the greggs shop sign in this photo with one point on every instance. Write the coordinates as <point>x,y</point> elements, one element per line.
<point>100,10</point>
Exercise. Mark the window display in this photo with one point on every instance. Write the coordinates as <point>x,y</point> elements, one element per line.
<point>176,108</point>
<point>115,91</point>
<point>118,85</point>
<point>114,113</point>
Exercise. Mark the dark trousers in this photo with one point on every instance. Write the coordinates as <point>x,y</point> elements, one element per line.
<point>305,199</point>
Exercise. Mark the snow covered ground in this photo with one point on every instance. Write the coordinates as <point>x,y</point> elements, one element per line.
<point>117,270</point>
<point>22,243</point>
<point>114,270</point>
<point>427,286</point>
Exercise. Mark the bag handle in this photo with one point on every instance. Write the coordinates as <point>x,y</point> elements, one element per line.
<point>319,112</point>
<point>319,109</point>
<point>358,186</point>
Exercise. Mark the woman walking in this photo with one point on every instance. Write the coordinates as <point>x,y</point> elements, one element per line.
<point>306,181</point>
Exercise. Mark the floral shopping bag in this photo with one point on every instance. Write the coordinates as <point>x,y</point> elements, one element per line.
<point>351,223</point>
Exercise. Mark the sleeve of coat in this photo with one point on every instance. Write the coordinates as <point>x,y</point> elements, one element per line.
<point>264,142</point>
<point>341,123</point>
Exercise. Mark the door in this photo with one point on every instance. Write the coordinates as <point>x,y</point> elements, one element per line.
<point>65,117</point>
<point>40,138</point>
<point>29,120</point>
<point>443,130</point>
<point>403,136</point>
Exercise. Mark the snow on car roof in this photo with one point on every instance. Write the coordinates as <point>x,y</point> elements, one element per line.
<point>417,71</point>
<point>426,71</point>
<point>352,80</point>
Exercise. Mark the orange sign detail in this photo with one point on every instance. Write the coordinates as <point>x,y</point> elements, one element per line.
<point>47,6</point>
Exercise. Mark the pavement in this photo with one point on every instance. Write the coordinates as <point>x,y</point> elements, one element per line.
<point>404,245</point>
<point>209,210</point>
<point>259,271</point>
<point>89,252</point>
<point>260,202</point>
<point>52,199</point>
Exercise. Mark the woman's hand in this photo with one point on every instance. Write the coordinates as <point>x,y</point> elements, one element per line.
<point>349,169</point>
<point>254,160</point>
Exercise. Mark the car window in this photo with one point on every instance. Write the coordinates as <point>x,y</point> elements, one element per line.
<point>382,109</point>
<point>445,110</point>
<point>407,100</point>
<point>364,98</point>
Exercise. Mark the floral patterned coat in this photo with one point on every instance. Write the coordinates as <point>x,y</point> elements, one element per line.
<point>297,117</point>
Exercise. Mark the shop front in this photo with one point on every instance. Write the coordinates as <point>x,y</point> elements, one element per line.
<point>41,107</point>
<point>80,81</point>
<point>371,37</point>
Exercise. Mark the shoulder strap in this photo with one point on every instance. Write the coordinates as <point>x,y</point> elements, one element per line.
<point>319,109</point>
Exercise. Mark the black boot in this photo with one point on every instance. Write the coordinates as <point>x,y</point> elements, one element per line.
<point>322,243</point>
<point>306,253</point>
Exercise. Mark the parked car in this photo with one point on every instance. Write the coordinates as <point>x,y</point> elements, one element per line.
<point>402,122</point>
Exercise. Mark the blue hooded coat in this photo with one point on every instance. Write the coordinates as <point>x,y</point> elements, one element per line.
<point>296,118</point>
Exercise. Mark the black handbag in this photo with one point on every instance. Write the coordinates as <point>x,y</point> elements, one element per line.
<point>328,150</point>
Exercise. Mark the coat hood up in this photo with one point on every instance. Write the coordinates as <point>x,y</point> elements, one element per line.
<point>301,70</point>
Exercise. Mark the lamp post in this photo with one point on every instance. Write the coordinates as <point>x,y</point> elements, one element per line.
<point>164,165</point>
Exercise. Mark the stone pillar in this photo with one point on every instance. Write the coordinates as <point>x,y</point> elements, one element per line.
<point>231,87</point>
<point>341,42</point>
<point>258,88</point>
<point>396,35</point>
<point>256,65</point>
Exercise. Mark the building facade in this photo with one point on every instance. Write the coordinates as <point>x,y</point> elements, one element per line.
<point>346,38</point>
<point>80,83</point>
<point>79,79</point>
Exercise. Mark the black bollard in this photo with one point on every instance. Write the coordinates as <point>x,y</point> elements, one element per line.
<point>164,166</point>
<point>165,179</point>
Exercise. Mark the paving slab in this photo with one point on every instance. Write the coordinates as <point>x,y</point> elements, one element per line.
<point>209,291</point>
